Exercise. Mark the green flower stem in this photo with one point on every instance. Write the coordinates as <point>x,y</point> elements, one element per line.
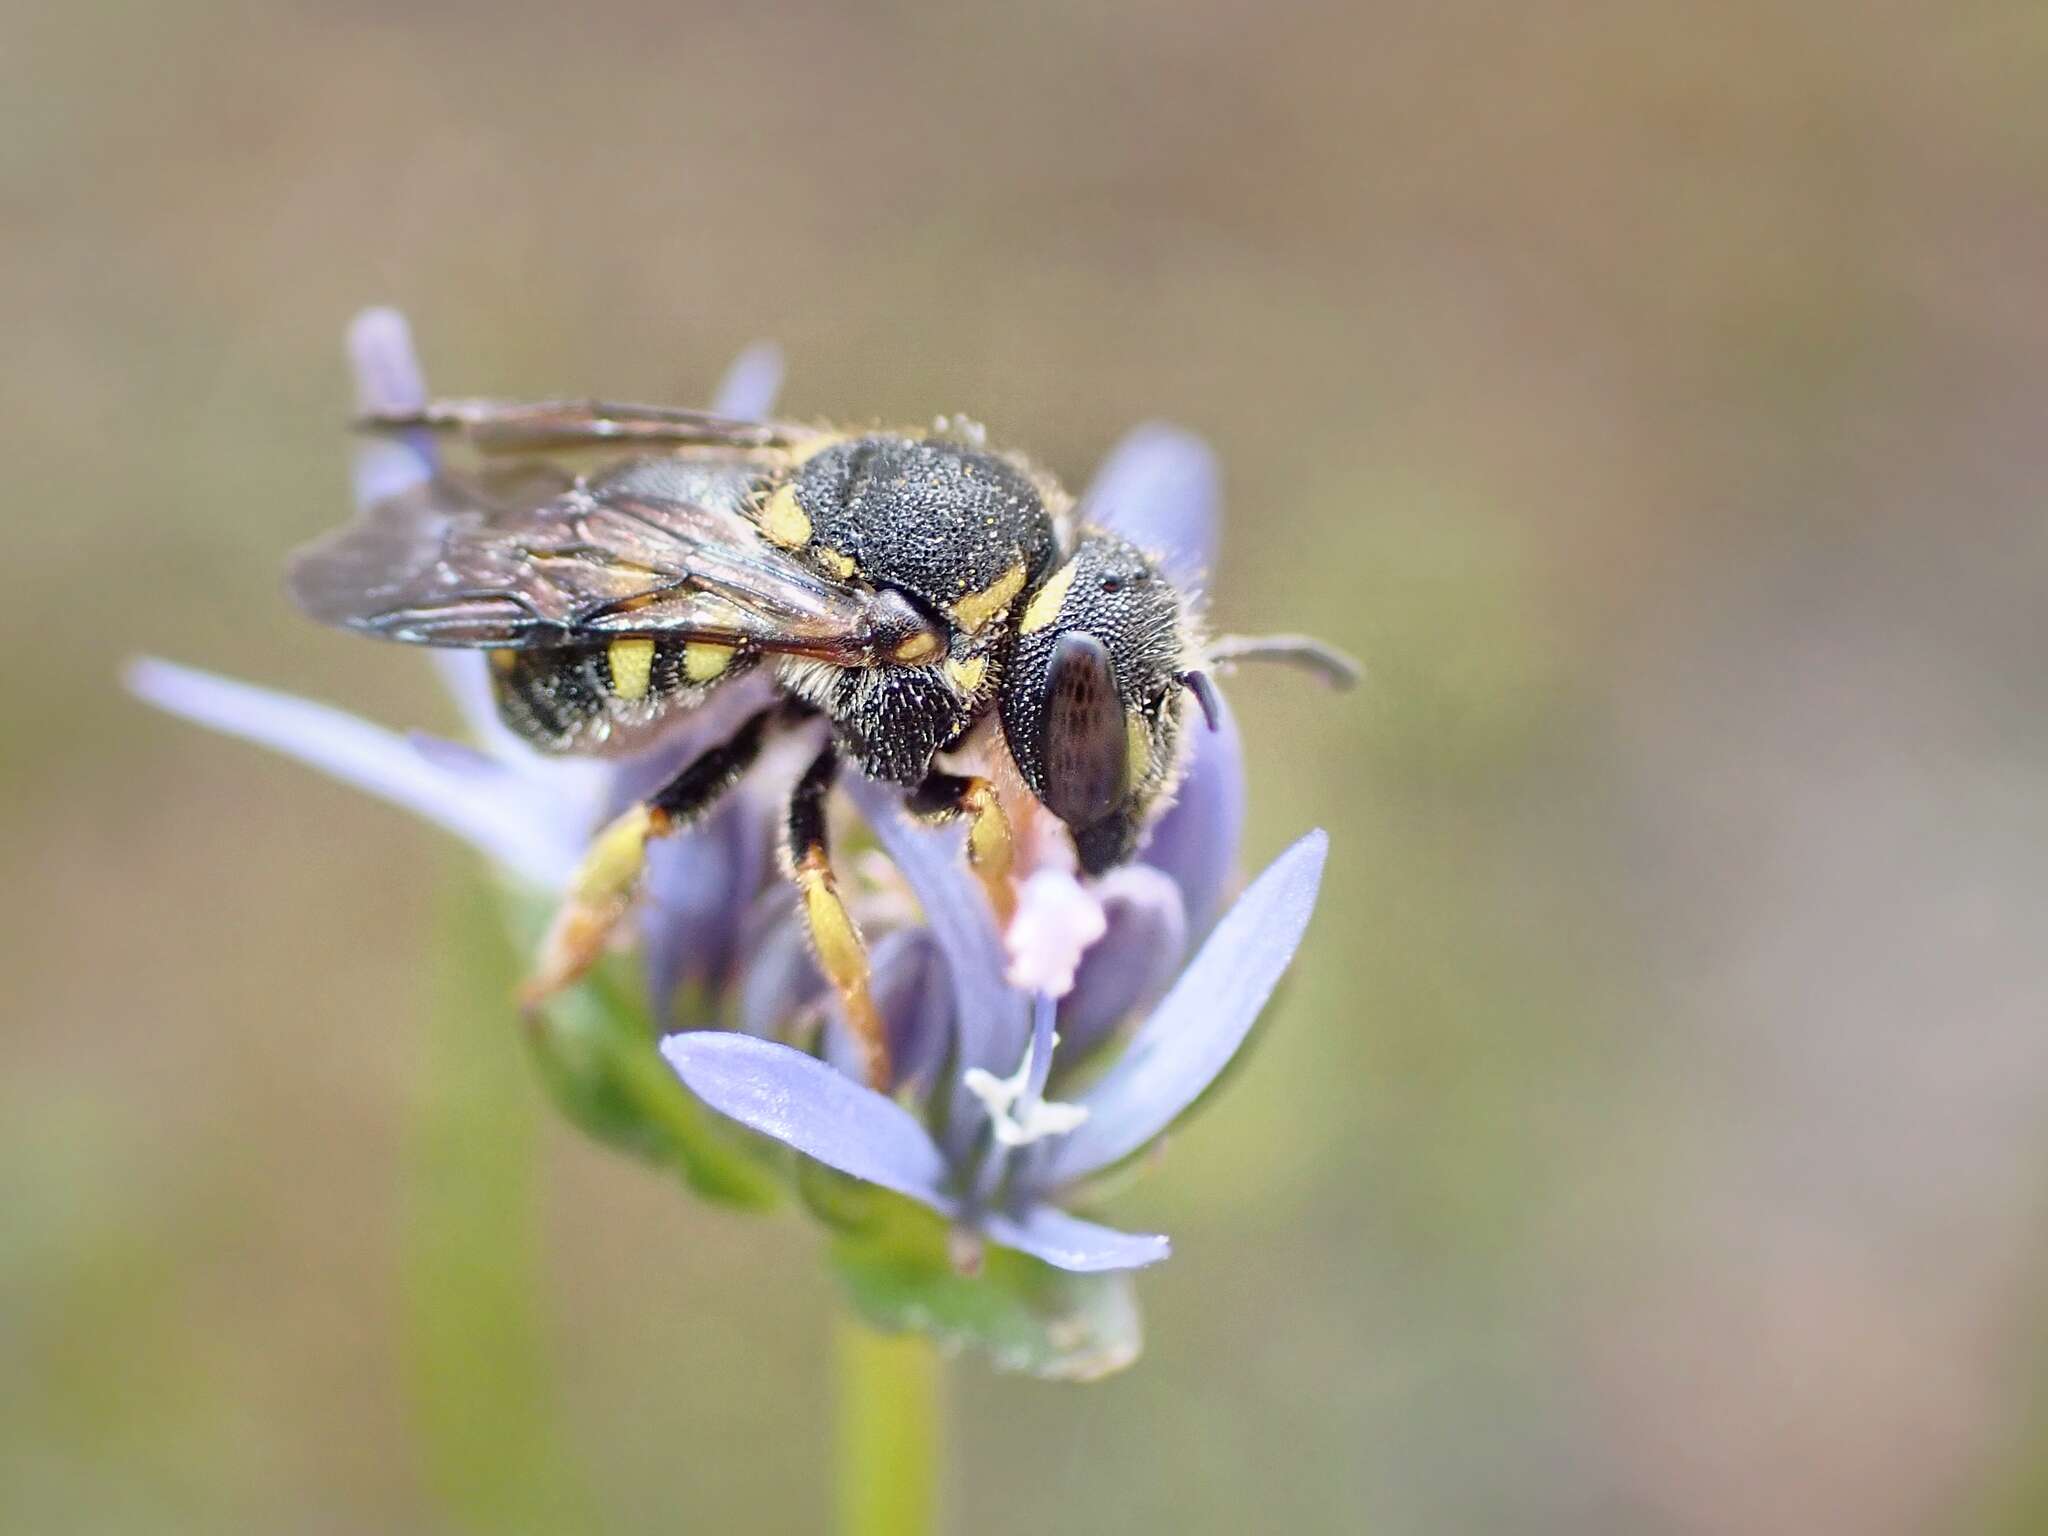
<point>888,1431</point>
<point>485,1412</point>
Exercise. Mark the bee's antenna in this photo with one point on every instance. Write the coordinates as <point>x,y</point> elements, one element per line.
<point>1197,682</point>
<point>1304,651</point>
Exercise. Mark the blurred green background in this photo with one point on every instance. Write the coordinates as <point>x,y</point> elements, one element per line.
<point>1652,396</point>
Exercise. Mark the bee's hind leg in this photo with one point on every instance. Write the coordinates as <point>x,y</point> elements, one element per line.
<point>835,937</point>
<point>942,796</point>
<point>610,873</point>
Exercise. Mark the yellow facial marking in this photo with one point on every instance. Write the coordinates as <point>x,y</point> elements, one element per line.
<point>1137,749</point>
<point>1044,606</point>
<point>705,659</point>
<point>839,565</point>
<point>632,663</point>
<point>977,608</point>
<point>917,650</point>
<point>967,675</point>
<point>784,521</point>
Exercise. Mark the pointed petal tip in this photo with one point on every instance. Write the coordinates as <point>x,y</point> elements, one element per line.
<point>494,812</point>
<point>1195,1031</point>
<point>751,384</point>
<point>382,361</point>
<point>806,1105</point>
<point>1073,1244</point>
<point>1162,488</point>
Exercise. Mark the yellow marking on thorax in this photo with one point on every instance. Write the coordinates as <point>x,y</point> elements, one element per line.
<point>503,660</point>
<point>977,608</point>
<point>916,650</point>
<point>632,664</point>
<point>1044,606</point>
<point>784,521</point>
<point>705,659</point>
<point>968,674</point>
<point>839,565</point>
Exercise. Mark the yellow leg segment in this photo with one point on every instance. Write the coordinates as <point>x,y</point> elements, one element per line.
<point>990,851</point>
<point>843,957</point>
<point>597,900</point>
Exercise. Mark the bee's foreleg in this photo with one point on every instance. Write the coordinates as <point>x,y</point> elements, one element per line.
<point>842,955</point>
<point>603,887</point>
<point>942,796</point>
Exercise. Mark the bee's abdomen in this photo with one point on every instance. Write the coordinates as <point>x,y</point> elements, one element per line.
<point>604,699</point>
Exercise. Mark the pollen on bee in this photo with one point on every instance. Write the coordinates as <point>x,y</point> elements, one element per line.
<point>705,659</point>
<point>784,521</point>
<point>632,665</point>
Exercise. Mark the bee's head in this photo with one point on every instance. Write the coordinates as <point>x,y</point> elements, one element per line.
<point>1092,691</point>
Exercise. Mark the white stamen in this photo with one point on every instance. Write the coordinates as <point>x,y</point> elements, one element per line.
<point>1019,1116</point>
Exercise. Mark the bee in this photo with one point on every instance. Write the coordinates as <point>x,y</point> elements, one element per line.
<point>904,586</point>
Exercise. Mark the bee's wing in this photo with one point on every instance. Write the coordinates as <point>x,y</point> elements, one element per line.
<point>534,560</point>
<point>524,426</point>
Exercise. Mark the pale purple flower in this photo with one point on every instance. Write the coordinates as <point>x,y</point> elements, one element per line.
<point>981,1127</point>
<point>988,1150</point>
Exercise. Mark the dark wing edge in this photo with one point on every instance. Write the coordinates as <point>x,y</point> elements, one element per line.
<point>457,561</point>
<point>521,426</point>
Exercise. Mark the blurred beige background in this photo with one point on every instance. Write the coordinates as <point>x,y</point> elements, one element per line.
<point>1655,397</point>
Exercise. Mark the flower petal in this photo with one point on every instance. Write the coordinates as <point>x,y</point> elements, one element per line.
<point>804,1104</point>
<point>1145,940</point>
<point>778,973</point>
<point>1067,1242</point>
<point>383,362</point>
<point>495,811</point>
<point>1192,1035</point>
<point>915,998</point>
<point>387,377</point>
<point>751,384</point>
<point>1161,489</point>
<point>994,1018</point>
<point>1196,841</point>
<point>695,893</point>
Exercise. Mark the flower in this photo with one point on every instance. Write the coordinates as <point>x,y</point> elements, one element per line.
<point>1026,1063</point>
<point>993,1154</point>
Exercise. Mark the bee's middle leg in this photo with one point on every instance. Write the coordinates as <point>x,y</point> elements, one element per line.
<point>990,850</point>
<point>835,937</point>
<point>610,873</point>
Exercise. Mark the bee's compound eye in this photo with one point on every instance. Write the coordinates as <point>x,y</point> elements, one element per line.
<point>1083,751</point>
<point>904,633</point>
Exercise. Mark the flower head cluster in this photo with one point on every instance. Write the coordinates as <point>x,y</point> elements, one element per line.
<point>1027,1063</point>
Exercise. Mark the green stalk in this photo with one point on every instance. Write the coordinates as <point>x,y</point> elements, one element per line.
<point>888,1432</point>
<point>485,1412</point>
